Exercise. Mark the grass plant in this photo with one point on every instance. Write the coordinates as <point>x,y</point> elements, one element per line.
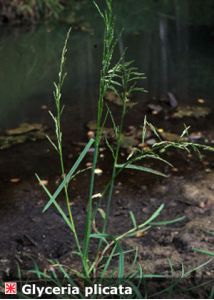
<point>124,80</point>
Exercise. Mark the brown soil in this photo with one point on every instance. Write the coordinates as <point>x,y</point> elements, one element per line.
<point>27,235</point>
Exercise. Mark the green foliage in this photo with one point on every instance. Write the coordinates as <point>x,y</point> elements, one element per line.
<point>49,8</point>
<point>32,10</point>
<point>144,14</point>
<point>206,252</point>
<point>125,80</point>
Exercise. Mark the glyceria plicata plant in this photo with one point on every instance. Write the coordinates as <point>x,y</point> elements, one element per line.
<point>108,50</point>
<point>120,75</point>
<point>123,79</point>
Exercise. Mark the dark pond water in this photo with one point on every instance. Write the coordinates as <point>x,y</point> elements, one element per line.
<point>174,57</point>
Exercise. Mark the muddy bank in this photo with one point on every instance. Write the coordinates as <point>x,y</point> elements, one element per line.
<point>27,234</point>
<point>189,192</point>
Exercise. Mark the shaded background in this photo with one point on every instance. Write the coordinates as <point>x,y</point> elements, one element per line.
<point>171,41</point>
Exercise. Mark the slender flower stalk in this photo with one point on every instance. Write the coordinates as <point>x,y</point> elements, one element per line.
<point>124,79</point>
<point>116,157</point>
<point>108,49</point>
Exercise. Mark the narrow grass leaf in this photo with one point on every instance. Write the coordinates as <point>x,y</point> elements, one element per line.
<point>133,219</point>
<point>68,176</point>
<point>153,217</point>
<point>144,130</point>
<point>210,253</point>
<point>52,143</point>
<point>157,157</point>
<point>197,268</point>
<point>140,168</point>
<point>120,262</point>
<point>154,131</point>
<point>99,10</point>
<point>135,289</point>
<point>135,257</point>
<point>102,213</point>
<point>112,120</point>
<point>153,276</point>
<point>164,223</point>
<point>185,132</point>
<point>68,277</point>
<point>59,209</point>
<point>110,148</point>
<point>107,264</point>
<point>99,235</point>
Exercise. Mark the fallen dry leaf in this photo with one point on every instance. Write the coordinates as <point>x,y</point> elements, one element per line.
<point>128,142</point>
<point>95,196</point>
<point>92,126</point>
<point>155,108</point>
<point>191,111</point>
<point>139,234</point>
<point>151,142</point>
<point>15,180</point>
<point>24,128</point>
<point>43,182</point>
<point>90,134</point>
<point>25,132</point>
<point>88,164</point>
<point>98,171</point>
<point>201,101</point>
<point>196,135</point>
<point>171,137</point>
<point>115,99</point>
<point>44,107</point>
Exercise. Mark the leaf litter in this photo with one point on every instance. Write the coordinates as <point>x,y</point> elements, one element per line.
<point>191,111</point>
<point>21,134</point>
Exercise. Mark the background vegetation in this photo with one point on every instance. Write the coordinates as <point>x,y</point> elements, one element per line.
<point>200,13</point>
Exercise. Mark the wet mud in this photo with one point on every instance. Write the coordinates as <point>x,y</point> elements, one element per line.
<point>27,235</point>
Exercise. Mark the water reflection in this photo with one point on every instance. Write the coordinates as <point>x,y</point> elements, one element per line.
<point>30,66</point>
<point>159,41</point>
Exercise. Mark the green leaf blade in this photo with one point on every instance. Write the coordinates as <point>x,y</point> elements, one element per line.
<point>141,168</point>
<point>68,176</point>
